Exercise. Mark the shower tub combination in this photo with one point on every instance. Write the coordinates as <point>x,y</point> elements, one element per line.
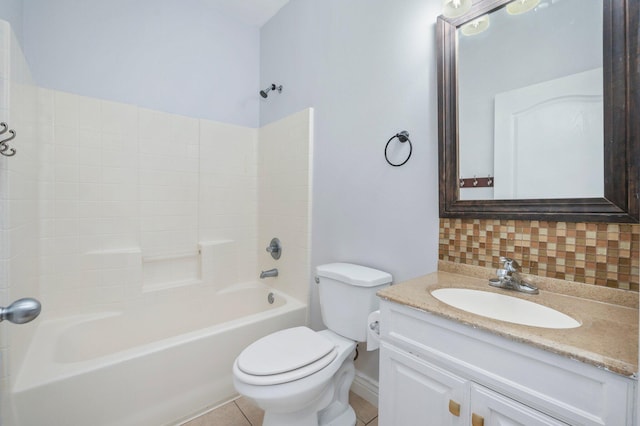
<point>152,365</point>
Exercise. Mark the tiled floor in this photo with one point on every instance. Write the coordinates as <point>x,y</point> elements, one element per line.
<point>241,412</point>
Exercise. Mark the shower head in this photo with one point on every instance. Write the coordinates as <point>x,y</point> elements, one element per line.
<point>264,93</point>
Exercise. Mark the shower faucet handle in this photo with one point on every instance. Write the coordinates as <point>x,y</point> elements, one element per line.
<point>275,248</point>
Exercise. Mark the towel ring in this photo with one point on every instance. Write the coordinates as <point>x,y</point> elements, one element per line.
<point>403,137</point>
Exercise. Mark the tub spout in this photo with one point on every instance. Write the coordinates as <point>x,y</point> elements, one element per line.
<point>270,273</point>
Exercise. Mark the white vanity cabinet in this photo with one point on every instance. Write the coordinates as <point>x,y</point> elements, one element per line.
<point>419,393</point>
<point>415,392</point>
<point>435,371</point>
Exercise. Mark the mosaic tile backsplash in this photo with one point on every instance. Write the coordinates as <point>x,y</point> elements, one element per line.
<point>604,254</point>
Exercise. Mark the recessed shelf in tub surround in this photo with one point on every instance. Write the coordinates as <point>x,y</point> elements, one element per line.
<point>211,263</point>
<point>607,337</point>
<point>169,270</point>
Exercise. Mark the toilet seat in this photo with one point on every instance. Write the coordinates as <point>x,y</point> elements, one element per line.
<point>284,356</point>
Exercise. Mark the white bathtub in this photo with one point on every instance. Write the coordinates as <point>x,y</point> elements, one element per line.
<point>156,365</point>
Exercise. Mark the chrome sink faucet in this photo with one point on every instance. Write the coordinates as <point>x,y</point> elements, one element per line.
<point>509,278</point>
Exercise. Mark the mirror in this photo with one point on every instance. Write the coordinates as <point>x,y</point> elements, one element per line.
<point>530,107</point>
<point>535,111</point>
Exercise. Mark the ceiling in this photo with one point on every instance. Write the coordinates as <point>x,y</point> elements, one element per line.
<point>251,12</point>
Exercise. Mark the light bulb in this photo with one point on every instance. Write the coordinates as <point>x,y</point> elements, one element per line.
<point>455,8</point>
<point>476,26</point>
<point>518,7</point>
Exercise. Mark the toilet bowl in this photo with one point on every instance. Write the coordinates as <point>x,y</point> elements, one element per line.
<point>320,384</point>
<point>301,377</point>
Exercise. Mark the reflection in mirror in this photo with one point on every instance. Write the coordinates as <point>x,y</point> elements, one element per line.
<point>530,90</point>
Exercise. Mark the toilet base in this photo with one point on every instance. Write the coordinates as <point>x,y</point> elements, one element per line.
<point>330,409</point>
<point>339,412</point>
<point>345,418</point>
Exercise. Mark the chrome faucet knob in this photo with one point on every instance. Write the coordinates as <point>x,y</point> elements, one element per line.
<point>275,248</point>
<point>509,264</point>
<point>509,278</point>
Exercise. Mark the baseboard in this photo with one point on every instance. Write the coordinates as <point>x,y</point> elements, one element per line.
<point>366,388</point>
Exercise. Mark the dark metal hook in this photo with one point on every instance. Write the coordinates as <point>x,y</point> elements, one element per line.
<point>10,138</point>
<point>3,131</point>
<point>11,153</point>
<point>3,144</point>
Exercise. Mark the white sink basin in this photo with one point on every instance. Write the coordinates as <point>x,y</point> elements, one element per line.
<point>504,308</point>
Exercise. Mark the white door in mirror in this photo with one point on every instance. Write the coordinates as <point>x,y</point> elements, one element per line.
<point>548,139</point>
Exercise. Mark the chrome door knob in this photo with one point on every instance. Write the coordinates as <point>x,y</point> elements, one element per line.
<point>21,311</point>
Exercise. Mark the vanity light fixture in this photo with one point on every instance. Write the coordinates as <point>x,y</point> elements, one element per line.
<point>518,7</point>
<point>455,8</point>
<point>476,26</point>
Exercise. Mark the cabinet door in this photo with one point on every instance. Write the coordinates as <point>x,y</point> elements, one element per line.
<point>414,392</point>
<point>489,408</point>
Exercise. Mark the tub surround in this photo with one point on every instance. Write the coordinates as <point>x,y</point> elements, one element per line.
<point>607,338</point>
<point>118,178</point>
<point>19,242</point>
<point>124,236</point>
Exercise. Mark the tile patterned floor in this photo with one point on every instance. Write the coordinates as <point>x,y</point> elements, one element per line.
<point>242,412</point>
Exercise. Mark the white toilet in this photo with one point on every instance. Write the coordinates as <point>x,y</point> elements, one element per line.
<point>302,377</point>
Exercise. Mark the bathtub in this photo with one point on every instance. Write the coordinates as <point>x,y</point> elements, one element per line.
<point>157,364</point>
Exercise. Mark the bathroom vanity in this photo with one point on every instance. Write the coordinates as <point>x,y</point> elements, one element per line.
<point>444,366</point>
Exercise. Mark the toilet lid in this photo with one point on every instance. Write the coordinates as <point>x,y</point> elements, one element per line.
<point>284,351</point>
<point>289,376</point>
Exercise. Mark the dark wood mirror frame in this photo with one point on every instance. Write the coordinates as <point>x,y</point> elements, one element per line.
<point>621,128</point>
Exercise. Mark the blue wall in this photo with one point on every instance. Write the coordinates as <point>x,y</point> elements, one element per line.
<point>159,54</point>
<point>11,11</point>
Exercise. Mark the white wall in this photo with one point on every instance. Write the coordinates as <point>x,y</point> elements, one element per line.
<point>368,68</point>
<point>159,54</point>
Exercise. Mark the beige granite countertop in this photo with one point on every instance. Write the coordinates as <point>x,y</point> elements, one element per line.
<point>607,338</point>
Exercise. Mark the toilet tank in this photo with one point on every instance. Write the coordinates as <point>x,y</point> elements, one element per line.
<point>348,295</point>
